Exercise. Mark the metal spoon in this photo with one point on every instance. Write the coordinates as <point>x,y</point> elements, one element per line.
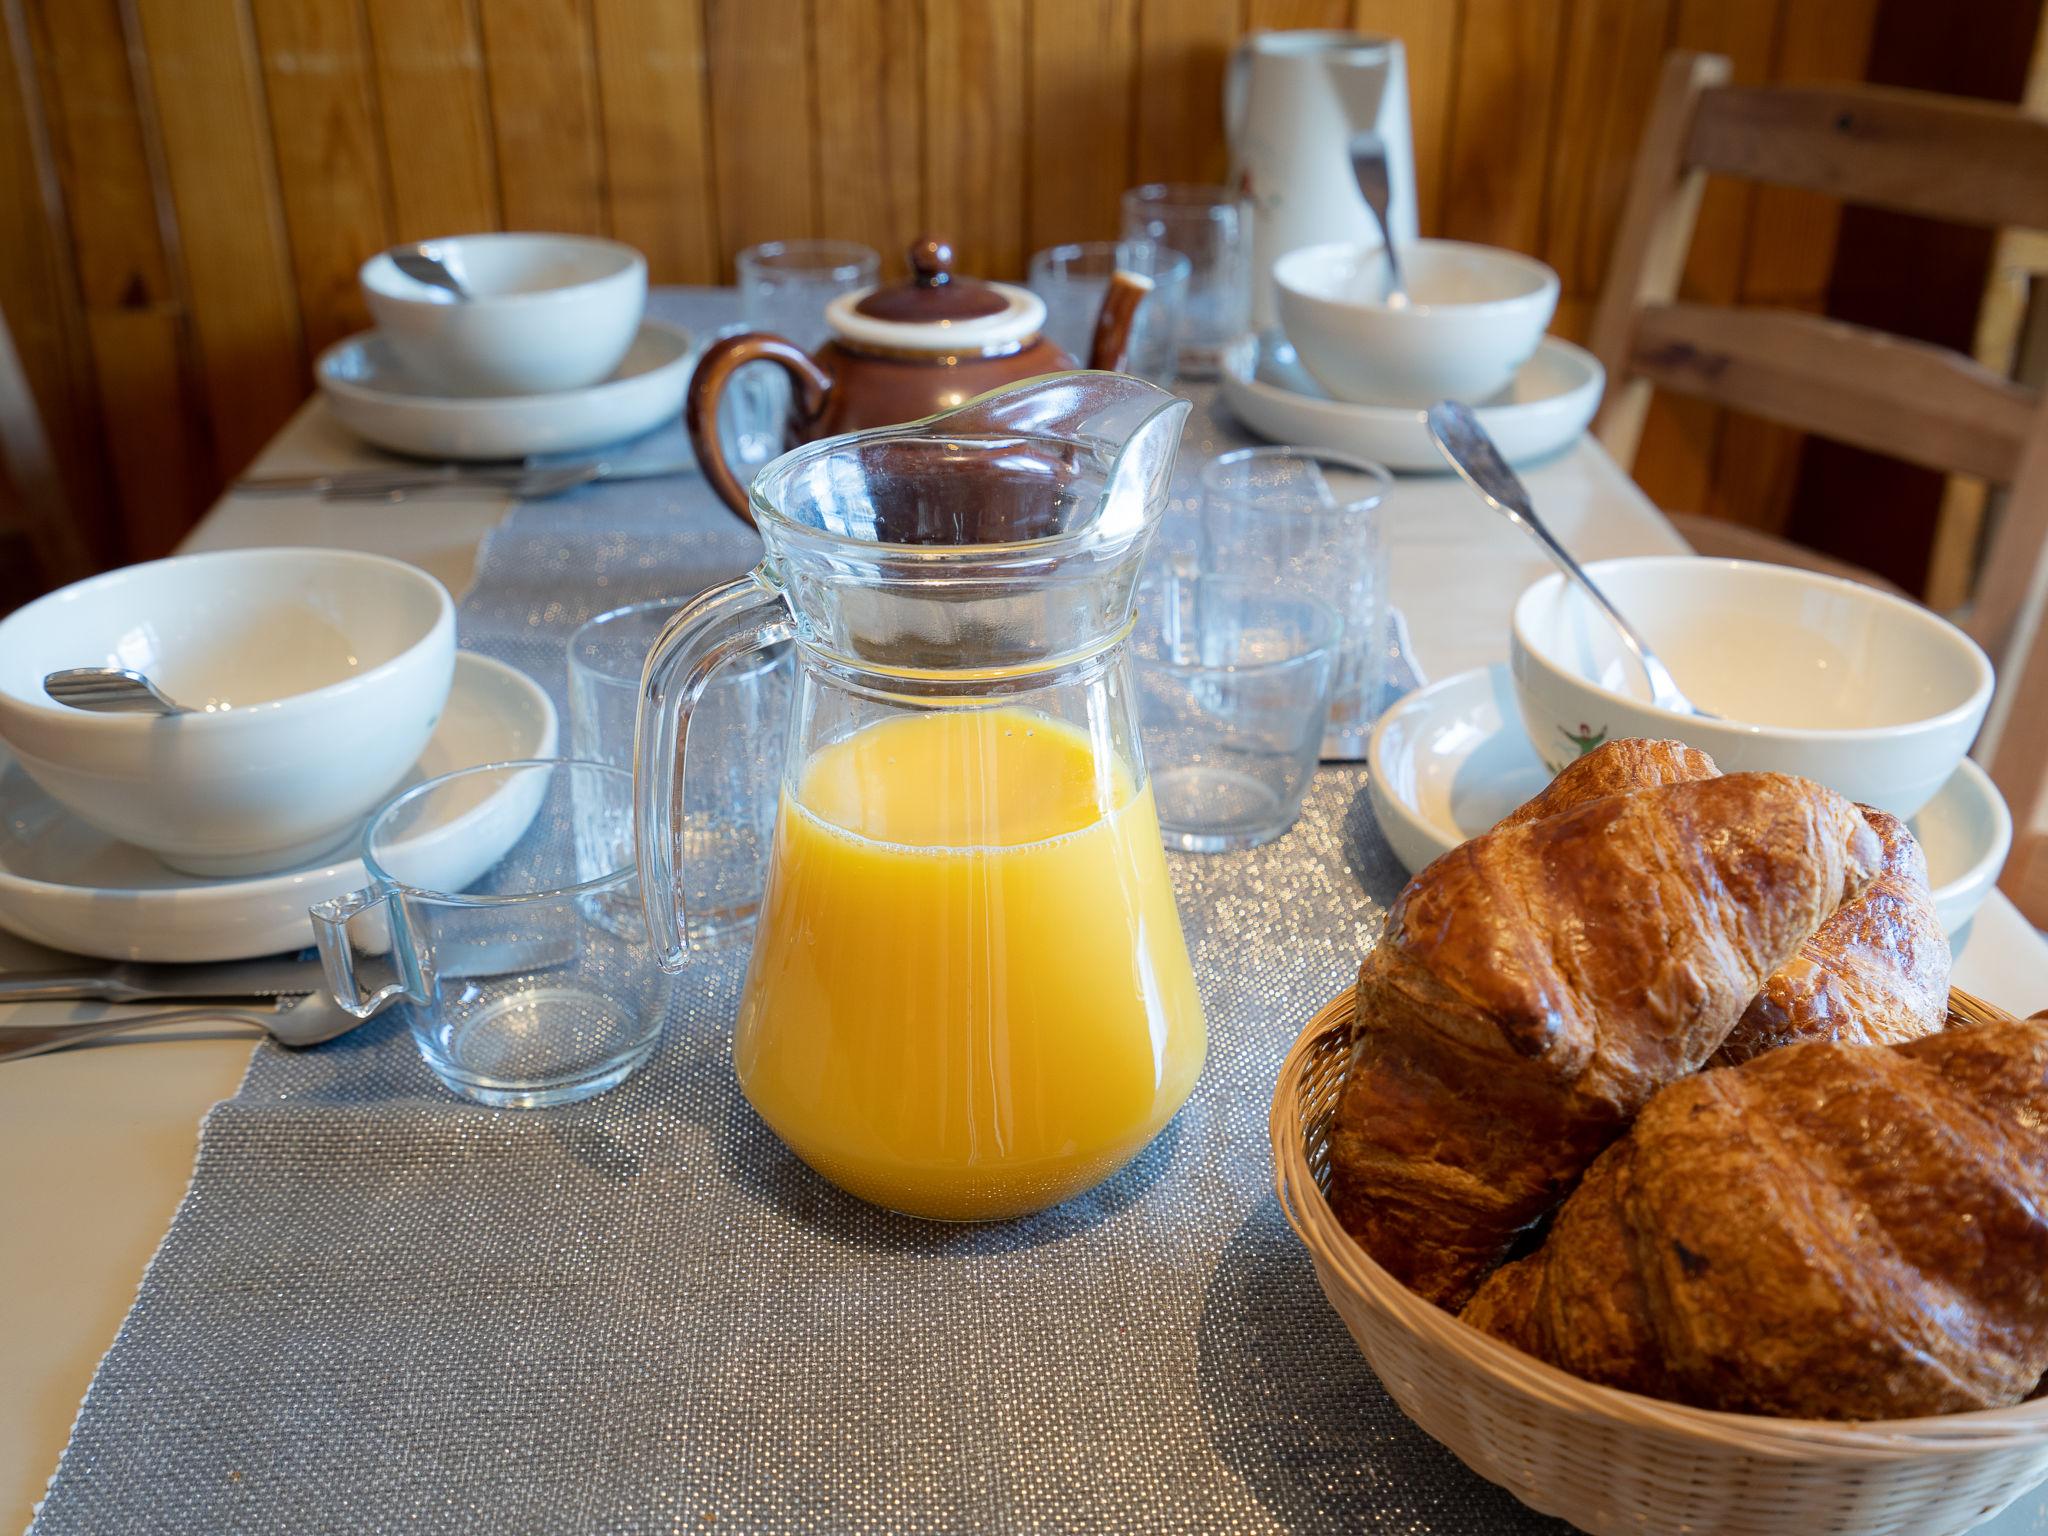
<point>1369,166</point>
<point>297,1022</point>
<point>110,691</point>
<point>1461,440</point>
<point>424,264</point>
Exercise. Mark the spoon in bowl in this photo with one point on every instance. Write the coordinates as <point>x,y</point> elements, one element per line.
<point>110,691</point>
<point>1369,168</point>
<point>1464,443</point>
<point>423,264</point>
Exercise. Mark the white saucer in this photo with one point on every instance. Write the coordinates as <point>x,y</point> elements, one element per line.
<point>1546,408</point>
<point>369,390</point>
<point>1450,760</point>
<point>65,885</point>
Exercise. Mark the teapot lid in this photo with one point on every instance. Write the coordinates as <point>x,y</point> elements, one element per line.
<point>937,311</point>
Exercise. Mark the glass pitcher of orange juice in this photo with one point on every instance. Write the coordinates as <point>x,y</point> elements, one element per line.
<point>969,997</point>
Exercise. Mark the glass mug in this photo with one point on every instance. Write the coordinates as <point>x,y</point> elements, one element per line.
<point>969,997</point>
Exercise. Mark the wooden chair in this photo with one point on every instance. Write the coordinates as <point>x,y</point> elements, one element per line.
<point>1963,161</point>
<point>32,505</point>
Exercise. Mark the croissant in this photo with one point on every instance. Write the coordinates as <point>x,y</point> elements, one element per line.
<point>1875,973</point>
<point>1535,986</point>
<point>1830,1231</point>
<point>1615,768</point>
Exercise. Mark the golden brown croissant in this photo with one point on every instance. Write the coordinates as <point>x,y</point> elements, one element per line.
<point>1616,768</point>
<point>1535,986</point>
<point>1830,1231</point>
<point>1876,972</point>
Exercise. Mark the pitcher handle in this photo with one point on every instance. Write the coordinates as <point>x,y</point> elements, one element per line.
<point>715,369</point>
<point>334,925</point>
<point>715,626</point>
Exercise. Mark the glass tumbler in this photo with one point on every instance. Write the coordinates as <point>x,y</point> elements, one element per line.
<point>736,742</point>
<point>1072,279</point>
<point>1310,518</point>
<point>784,288</point>
<point>523,988</point>
<point>1233,685</point>
<point>1211,226</point>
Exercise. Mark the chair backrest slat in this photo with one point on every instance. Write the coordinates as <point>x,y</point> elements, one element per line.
<point>1908,399</point>
<point>1967,162</point>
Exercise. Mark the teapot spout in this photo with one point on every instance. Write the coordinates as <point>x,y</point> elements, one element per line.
<point>1110,347</point>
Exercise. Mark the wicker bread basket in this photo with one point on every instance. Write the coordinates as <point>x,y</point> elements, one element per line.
<point>1611,1461</point>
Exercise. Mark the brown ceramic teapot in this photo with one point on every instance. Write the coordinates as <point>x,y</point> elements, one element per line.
<point>902,353</point>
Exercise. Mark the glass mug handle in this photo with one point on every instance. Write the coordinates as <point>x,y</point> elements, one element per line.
<point>366,920</point>
<point>713,628</point>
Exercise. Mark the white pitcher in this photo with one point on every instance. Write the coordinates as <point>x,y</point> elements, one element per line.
<point>1291,102</point>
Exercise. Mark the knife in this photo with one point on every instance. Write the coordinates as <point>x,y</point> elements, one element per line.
<point>128,981</point>
<point>422,477</point>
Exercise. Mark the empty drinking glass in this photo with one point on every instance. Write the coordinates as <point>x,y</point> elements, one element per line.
<point>784,288</point>
<point>519,995</point>
<point>1211,226</point>
<point>1310,518</point>
<point>1072,279</point>
<point>736,742</point>
<point>1233,684</point>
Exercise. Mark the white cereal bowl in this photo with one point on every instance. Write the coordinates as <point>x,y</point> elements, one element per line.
<point>546,313</point>
<point>1865,692</point>
<point>315,678</point>
<point>1474,317</point>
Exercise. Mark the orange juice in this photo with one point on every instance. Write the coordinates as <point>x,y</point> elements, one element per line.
<point>969,995</point>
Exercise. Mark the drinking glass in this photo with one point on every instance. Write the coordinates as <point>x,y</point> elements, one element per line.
<point>784,288</point>
<point>1233,686</point>
<point>735,746</point>
<point>1211,226</point>
<point>1310,518</point>
<point>1072,279</point>
<point>519,995</point>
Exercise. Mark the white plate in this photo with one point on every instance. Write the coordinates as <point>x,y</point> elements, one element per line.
<point>65,885</point>
<point>369,390</point>
<point>1450,760</point>
<point>1545,409</point>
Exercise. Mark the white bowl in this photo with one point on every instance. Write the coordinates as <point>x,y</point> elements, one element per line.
<point>547,312</point>
<point>1865,692</point>
<point>315,677</point>
<point>1474,316</point>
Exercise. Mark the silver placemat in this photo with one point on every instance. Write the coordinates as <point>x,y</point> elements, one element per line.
<point>383,1309</point>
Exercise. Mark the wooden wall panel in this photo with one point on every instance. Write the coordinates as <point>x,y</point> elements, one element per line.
<point>763,138</point>
<point>1502,121</point>
<point>975,130</point>
<point>433,100</point>
<point>222,166</point>
<point>219,160</point>
<point>330,159</point>
<point>657,149</point>
<point>1083,57</point>
<point>1182,46</point>
<point>159,457</point>
<point>543,93</point>
<point>871,157</point>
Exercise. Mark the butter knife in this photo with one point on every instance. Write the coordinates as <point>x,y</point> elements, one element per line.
<point>127,981</point>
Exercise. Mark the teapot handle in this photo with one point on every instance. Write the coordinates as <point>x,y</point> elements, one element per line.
<point>1110,347</point>
<point>712,628</point>
<point>707,386</point>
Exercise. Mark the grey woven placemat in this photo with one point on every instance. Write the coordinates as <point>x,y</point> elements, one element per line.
<point>381,1309</point>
